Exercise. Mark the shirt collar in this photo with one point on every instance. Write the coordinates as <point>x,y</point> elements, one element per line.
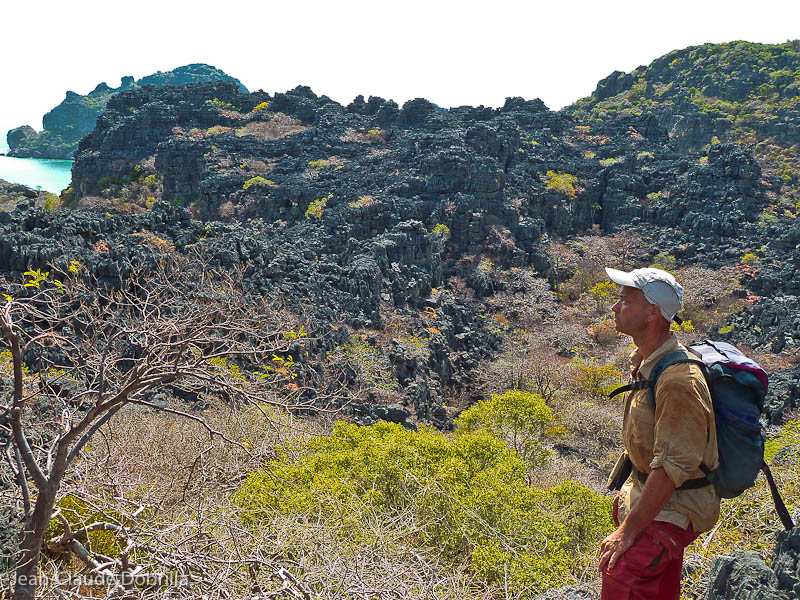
<point>643,368</point>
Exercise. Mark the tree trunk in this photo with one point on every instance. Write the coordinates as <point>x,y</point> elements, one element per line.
<point>27,571</point>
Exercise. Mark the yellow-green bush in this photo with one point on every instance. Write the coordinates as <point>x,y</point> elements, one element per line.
<point>441,230</point>
<point>315,207</point>
<point>80,513</point>
<point>598,381</point>
<point>256,181</point>
<point>322,163</point>
<point>602,293</point>
<point>686,326</point>
<point>52,203</point>
<point>750,258</point>
<point>515,416</point>
<point>665,262</point>
<point>786,443</point>
<point>563,183</point>
<point>466,492</point>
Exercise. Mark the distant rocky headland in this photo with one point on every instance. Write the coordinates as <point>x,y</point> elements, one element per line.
<point>68,122</point>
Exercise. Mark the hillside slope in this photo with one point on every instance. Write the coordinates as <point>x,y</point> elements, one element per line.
<point>739,92</point>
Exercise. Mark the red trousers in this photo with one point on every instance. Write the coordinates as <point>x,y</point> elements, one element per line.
<point>651,569</point>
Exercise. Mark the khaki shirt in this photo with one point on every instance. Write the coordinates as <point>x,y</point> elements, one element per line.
<point>678,437</point>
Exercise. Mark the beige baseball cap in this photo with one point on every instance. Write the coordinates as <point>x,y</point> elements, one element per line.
<point>659,288</point>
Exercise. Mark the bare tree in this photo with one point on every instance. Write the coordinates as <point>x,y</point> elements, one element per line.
<point>180,327</point>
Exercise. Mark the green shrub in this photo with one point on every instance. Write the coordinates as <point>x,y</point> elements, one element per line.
<point>767,218</point>
<point>786,443</point>
<point>52,203</point>
<point>80,513</point>
<point>466,493</point>
<point>218,130</point>
<point>7,360</point>
<point>598,381</point>
<point>653,196</point>
<point>257,181</point>
<point>515,416</point>
<point>563,183</point>
<point>221,104</point>
<point>665,261</point>
<point>315,207</point>
<point>322,163</point>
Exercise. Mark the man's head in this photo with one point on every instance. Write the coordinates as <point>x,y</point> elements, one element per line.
<point>649,298</point>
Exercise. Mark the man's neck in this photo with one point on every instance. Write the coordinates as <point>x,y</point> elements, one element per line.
<point>650,342</point>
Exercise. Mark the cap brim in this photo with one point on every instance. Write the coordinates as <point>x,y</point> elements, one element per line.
<point>621,278</point>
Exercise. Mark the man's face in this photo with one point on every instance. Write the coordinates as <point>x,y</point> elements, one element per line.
<point>631,311</point>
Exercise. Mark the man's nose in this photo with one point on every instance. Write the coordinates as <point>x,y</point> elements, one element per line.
<point>615,306</point>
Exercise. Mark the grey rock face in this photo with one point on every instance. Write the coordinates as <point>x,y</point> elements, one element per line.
<point>18,134</point>
<point>76,116</point>
<point>745,576</point>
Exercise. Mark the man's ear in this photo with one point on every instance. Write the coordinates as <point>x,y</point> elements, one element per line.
<point>655,313</point>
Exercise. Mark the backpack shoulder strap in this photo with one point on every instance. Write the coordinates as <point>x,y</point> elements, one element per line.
<point>673,358</point>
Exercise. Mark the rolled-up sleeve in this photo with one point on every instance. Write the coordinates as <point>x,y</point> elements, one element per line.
<point>682,423</point>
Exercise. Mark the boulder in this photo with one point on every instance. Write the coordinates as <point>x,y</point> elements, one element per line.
<point>15,136</point>
<point>743,575</point>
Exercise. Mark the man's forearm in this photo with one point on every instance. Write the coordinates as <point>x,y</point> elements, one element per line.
<point>655,495</point>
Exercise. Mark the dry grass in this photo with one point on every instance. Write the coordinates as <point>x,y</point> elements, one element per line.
<point>278,127</point>
<point>372,136</point>
<point>149,238</point>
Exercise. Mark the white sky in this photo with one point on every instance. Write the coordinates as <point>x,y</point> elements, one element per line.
<point>450,52</point>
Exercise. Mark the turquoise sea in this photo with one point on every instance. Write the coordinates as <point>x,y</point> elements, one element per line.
<point>50,175</point>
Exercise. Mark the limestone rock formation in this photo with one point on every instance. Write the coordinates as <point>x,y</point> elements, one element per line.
<point>745,576</point>
<point>16,136</point>
<point>68,122</point>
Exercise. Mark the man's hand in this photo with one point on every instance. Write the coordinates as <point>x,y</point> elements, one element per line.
<point>613,547</point>
<point>656,492</point>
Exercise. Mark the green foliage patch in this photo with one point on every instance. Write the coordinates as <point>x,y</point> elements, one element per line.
<point>466,493</point>
<point>257,181</point>
<point>79,514</point>
<point>598,381</point>
<point>315,207</point>
<point>564,183</point>
<point>515,416</point>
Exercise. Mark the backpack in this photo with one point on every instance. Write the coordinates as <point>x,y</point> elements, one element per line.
<point>738,386</point>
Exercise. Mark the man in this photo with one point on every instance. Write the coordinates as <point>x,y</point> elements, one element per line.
<point>657,516</point>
